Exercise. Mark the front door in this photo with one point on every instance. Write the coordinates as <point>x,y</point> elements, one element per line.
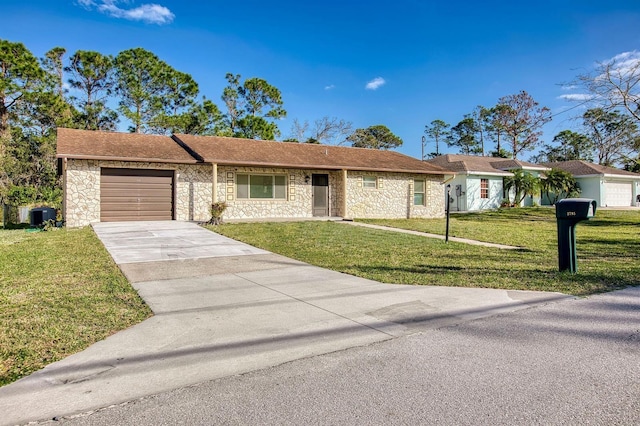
<point>320,185</point>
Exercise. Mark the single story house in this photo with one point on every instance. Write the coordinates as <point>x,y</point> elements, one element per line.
<point>111,176</point>
<point>610,187</point>
<point>478,181</point>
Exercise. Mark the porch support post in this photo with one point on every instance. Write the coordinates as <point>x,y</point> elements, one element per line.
<point>65,191</point>
<point>214,189</point>
<point>344,194</point>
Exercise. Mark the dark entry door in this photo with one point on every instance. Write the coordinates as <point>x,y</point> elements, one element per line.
<point>320,185</point>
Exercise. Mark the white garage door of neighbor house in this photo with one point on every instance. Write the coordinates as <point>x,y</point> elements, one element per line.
<point>617,194</point>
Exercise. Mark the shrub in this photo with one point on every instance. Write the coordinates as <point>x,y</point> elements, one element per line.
<point>217,209</point>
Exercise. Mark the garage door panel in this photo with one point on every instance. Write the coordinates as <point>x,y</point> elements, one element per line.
<point>618,194</point>
<point>136,194</point>
<point>140,180</point>
<point>150,206</point>
<point>134,217</point>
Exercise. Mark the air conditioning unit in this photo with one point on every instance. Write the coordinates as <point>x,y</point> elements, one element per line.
<point>40,215</point>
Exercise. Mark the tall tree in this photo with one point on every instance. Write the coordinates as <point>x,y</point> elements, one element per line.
<point>438,131</point>
<point>253,108</point>
<point>178,102</point>
<point>482,117</point>
<point>615,84</point>
<point>202,118</point>
<point>327,130</point>
<point>93,80</point>
<point>52,63</point>
<point>140,77</point>
<point>20,75</point>
<point>521,119</point>
<point>615,136</point>
<point>494,129</point>
<point>570,145</point>
<point>151,92</point>
<point>374,137</point>
<point>463,136</point>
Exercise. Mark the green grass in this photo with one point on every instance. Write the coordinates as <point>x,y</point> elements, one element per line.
<point>608,250</point>
<point>59,293</point>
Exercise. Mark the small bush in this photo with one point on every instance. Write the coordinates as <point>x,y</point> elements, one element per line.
<point>217,210</point>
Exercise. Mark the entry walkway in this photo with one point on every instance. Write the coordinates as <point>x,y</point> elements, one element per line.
<point>440,237</point>
<point>224,308</point>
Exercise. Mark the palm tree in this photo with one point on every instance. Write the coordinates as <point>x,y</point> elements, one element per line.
<point>559,184</point>
<point>522,183</point>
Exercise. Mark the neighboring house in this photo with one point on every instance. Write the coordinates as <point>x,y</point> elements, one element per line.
<point>478,184</point>
<point>121,176</point>
<point>608,186</point>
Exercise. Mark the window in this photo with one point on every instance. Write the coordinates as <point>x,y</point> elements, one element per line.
<point>261,186</point>
<point>418,193</point>
<point>484,188</point>
<point>370,182</point>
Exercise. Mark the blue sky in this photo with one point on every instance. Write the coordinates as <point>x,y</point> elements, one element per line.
<point>402,63</point>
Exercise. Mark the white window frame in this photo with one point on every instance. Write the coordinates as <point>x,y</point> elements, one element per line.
<point>423,192</point>
<point>482,180</point>
<point>370,182</point>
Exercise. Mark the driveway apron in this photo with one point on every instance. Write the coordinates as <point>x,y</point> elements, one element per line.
<point>224,308</point>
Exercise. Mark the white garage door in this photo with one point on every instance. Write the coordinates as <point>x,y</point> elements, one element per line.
<point>617,194</point>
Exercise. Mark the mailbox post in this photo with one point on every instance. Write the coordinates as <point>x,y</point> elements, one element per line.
<point>569,212</point>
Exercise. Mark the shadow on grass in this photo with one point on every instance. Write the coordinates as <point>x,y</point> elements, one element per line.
<point>13,226</point>
<point>608,223</point>
<point>444,269</point>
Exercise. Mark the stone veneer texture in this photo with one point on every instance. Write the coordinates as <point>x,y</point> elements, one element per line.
<point>393,198</point>
<point>296,205</point>
<point>193,189</point>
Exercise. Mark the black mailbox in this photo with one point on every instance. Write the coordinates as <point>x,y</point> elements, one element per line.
<point>569,212</point>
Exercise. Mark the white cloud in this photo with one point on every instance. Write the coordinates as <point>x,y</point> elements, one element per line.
<point>569,87</point>
<point>329,87</point>
<point>576,97</point>
<point>624,58</point>
<point>623,65</point>
<point>149,13</point>
<point>375,83</point>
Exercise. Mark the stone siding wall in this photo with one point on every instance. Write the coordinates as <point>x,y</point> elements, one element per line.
<point>193,189</point>
<point>298,201</point>
<point>393,196</point>
<point>82,193</point>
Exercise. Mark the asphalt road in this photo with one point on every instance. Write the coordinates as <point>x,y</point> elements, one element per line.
<point>570,362</point>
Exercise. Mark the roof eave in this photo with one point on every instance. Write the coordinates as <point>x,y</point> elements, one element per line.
<point>475,172</point>
<point>323,167</point>
<point>127,159</point>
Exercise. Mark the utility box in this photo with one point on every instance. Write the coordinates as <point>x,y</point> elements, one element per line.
<point>569,212</point>
<point>40,215</point>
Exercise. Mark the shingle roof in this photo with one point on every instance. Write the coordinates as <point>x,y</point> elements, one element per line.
<point>583,168</point>
<point>86,144</point>
<point>94,145</point>
<point>478,164</point>
<point>234,151</point>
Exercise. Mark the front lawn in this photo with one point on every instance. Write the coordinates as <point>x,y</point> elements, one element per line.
<point>608,250</point>
<point>60,291</point>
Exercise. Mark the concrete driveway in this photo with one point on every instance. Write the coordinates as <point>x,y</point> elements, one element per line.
<point>224,308</point>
